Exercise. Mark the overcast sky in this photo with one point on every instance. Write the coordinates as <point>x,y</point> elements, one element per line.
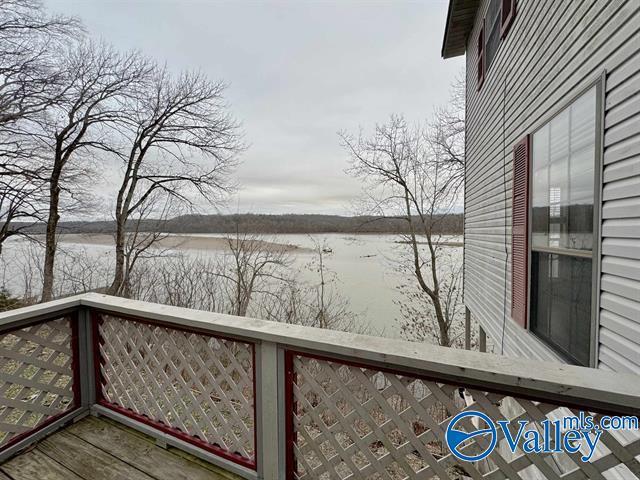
<point>298,72</point>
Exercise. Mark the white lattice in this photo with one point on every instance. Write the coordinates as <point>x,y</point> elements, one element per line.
<point>198,384</point>
<point>359,423</point>
<point>36,377</point>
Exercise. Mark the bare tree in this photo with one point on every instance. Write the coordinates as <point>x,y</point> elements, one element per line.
<point>418,320</point>
<point>29,39</point>
<point>445,137</point>
<point>407,179</point>
<point>316,301</point>
<point>182,144</point>
<point>21,198</point>
<point>179,280</point>
<point>29,81</point>
<point>253,268</point>
<point>143,238</point>
<point>77,127</point>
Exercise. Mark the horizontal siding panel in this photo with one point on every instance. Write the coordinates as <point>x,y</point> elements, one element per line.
<point>621,131</point>
<point>626,110</point>
<point>628,69</point>
<point>623,92</point>
<point>626,149</point>
<point>622,267</point>
<point>621,169</point>
<point>623,188</point>
<point>622,227</point>
<point>627,328</point>
<point>617,362</point>
<point>621,247</point>
<point>625,208</point>
<point>624,287</point>
<point>621,306</point>
<point>622,346</point>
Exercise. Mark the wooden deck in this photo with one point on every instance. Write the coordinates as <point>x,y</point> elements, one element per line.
<point>100,449</point>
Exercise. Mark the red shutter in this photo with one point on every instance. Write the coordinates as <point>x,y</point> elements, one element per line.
<point>520,233</point>
<point>480,60</point>
<point>508,14</point>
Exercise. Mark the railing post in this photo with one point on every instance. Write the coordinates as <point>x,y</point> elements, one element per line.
<point>467,328</point>
<point>85,353</point>
<point>270,448</point>
<point>483,340</point>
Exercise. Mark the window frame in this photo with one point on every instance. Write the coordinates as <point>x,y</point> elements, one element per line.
<point>488,28</point>
<point>596,264</point>
<point>504,25</point>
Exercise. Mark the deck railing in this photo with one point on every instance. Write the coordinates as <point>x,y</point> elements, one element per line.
<point>271,400</point>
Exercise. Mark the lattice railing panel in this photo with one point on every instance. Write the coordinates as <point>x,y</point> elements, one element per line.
<point>197,386</point>
<point>36,377</point>
<point>351,422</point>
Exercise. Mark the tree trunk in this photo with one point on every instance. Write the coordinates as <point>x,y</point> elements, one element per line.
<point>118,277</point>
<point>51,237</point>
<point>445,340</point>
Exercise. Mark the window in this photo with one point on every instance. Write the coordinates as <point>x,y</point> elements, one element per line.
<point>480,61</point>
<point>495,26</point>
<point>562,235</point>
<point>508,12</point>
<point>492,27</point>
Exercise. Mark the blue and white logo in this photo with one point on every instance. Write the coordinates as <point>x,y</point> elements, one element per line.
<point>571,434</point>
<point>457,437</point>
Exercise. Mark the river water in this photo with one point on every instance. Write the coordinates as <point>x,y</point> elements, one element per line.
<point>365,269</point>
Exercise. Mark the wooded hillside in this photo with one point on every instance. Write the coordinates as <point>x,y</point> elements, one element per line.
<point>254,223</point>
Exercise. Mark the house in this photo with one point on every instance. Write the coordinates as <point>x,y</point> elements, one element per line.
<point>552,200</point>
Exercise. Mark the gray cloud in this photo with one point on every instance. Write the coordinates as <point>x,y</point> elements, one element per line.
<point>298,72</point>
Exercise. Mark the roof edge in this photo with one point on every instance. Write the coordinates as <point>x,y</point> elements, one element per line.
<point>461,16</point>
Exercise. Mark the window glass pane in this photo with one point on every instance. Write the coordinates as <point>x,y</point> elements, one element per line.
<point>540,188</point>
<point>492,27</point>
<point>493,11</point>
<point>582,170</point>
<point>581,199</point>
<point>493,42</point>
<point>559,180</point>
<point>561,303</point>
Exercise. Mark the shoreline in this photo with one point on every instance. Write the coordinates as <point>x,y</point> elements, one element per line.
<point>181,242</point>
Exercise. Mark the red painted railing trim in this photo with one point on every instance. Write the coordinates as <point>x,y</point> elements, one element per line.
<point>35,430</point>
<point>289,408</point>
<point>72,318</point>
<point>179,434</point>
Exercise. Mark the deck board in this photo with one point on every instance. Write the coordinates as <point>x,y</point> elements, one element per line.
<point>101,449</point>
<point>87,461</point>
<point>141,453</point>
<point>35,464</point>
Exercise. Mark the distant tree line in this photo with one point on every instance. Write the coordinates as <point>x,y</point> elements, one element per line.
<point>449,224</point>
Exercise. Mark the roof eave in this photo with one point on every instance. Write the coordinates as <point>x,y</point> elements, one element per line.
<point>461,16</point>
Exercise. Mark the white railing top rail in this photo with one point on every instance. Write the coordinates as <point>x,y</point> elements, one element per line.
<point>565,384</point>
